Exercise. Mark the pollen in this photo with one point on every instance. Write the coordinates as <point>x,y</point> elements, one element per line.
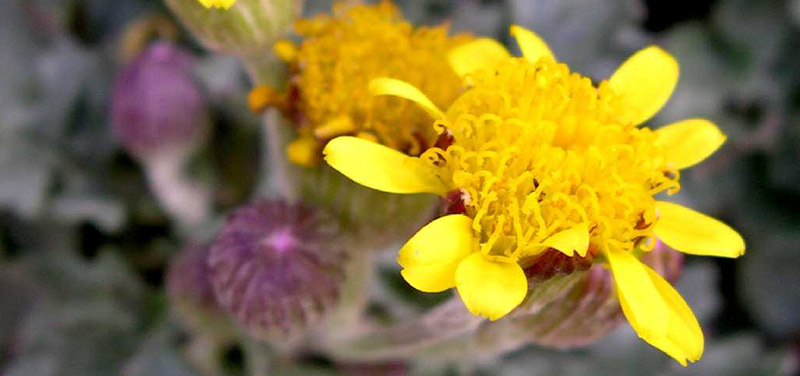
<point>341,53</point>
<point>537,150</point>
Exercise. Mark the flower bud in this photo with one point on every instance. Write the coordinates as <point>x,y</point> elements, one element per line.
<point>248,27</point>
<point>590,309</point>
<point>157,105</point>
<point>188,279</point>
<point>277,267</point>
<point>189,289</point>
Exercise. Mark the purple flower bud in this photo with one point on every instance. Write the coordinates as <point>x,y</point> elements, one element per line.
<point>277,267</point>
<point>157,105</point>
<point>188,278</point>
<point>590,310</point>
<point>191,294</point>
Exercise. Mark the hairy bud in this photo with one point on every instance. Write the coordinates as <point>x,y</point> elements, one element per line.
<point>157,105</point>
<point>277,267</point>
<point>246,28</point>
<point>189,289</point>
<point>590,309</point>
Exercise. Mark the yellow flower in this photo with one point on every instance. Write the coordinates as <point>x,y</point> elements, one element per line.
<point>222,4</point>
<point>331,70</point>
<point>541,160</point>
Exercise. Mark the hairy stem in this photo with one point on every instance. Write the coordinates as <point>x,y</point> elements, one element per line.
<point>277,175</point>
<point>450,331</point>
<point>186,201</point>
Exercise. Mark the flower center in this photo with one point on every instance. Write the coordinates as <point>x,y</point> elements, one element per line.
<point>341,54</point>
<point>538,150</point>
<point>281,241</point>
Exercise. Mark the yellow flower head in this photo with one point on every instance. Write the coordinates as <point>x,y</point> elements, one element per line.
<point>222,4</point>
<point>537,160</point>
<point>332,68</point>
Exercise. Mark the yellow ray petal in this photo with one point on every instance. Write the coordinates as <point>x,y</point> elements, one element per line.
<point>402,89</point>
<point>380,167</point>
<point>303,151</point>
<point>695,233</point>
<point>478,54</point>
<point>429,259</point>
<point>689,141</point>
<point>533,47</point>
<point>490,288</point>
<point>643,306</point>
<point>224,4</point>
<point>569,241</point>
<point>336,126</point>
<point>645,81</point>
<point>684,339</point>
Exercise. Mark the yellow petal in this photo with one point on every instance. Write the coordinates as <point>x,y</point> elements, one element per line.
<point>645,81</point>
<point>402,89</point>
<point>479,54</point>
<point>303,151</point>
<point>429,259</point>
<point>379,167</point>
<point>690,141</point>
<point>684,339</point>
<point>641,303</point>
<point>533,47</point>
<point>569,241</point>
<point>490,288</point>
<point>224,4</point>
<point>695,233</point>
<point>336,126</point>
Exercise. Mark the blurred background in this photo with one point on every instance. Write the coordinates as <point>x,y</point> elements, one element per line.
<point>84,243</point>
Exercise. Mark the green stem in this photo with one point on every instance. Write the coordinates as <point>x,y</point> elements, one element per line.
<point>348,315</point>
<point>258,356</point>
<point>278,176</point>
<point>203,352</point>
<point>185,200</point>
<point>450,331</point>
<point>448,320</point>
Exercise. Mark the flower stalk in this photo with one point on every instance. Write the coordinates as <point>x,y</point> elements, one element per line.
<point>160,116</point>
<point>186,201</point>
<point>449,331</point>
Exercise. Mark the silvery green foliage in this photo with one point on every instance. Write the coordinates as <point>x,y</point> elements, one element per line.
<point>590,36</point>
<point>44,86</point>
<point>83,318</point>
<point>158,354</point>
<point>794,8</point>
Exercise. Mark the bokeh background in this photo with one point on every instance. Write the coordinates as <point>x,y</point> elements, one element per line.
<point>84,245</point>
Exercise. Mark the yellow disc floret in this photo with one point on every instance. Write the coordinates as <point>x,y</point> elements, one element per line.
<point>340,55</point>
<point>538,150</point>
